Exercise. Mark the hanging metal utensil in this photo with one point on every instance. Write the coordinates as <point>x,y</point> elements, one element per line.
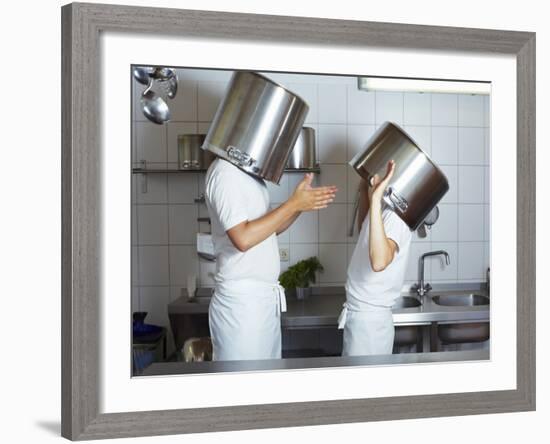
<point>142,75</point>
<point>431,219</point>
<point>153,106</point>
<point>168,80</point>
<point>160,73</point>
<point>169,83</point>
<point>172,87</point>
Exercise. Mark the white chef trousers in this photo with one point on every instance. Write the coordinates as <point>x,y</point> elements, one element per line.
<point>246,324</point>
<point>368,330</point>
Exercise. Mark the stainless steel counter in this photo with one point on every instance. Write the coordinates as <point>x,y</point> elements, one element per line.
<point>174,368</point>
<point>323,307</point>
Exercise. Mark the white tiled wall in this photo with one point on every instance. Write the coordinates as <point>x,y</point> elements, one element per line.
<point>452,128</point>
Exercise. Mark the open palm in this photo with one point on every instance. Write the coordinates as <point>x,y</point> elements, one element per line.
<point>377,186</point>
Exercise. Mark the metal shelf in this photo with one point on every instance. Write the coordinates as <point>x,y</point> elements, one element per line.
<point>161,171</point>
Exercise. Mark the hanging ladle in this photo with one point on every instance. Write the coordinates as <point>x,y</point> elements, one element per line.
<point>168,79</point>
<point>142,75</point>
<point>154,107</point>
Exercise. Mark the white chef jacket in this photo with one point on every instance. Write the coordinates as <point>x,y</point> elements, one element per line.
<point>244,313</point>
<point>367,317</point>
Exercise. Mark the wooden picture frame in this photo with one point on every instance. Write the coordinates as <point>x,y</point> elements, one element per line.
<point>81,26</point>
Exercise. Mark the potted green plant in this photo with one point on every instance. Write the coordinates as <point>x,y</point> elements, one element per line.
<point>299,276</point>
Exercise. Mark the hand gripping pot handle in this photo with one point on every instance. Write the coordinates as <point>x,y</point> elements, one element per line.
<point>417,185</point>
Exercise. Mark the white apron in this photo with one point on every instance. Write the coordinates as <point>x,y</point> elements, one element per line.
<point>368,329</point>
<point>245,321</point>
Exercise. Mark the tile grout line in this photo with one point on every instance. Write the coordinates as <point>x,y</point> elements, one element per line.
<point>197,178</point>
<point>197,187</point>
<point>485,147</point>
<point>187,244</point>
<point>336,124</point>
<point>317,277</point>
<point>347,173</point>
<point>197,123</point>
<point>134,286</point>
<point>168,237</point>
<point>430,111</point>
<point>138,255</point>
<point>457,191</point>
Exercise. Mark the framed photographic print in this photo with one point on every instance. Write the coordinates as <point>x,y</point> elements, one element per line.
<point>224,263</point>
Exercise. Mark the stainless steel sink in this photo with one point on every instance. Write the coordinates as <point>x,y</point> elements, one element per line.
<point>406,335</point>
<point>406,302</point>
<point>461,300</point>
<point>458,333</point>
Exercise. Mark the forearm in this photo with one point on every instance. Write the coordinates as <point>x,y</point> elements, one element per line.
<point>248,234</point>
<point>288,223</point>
<point>305,198</point>
<point>380,249</point>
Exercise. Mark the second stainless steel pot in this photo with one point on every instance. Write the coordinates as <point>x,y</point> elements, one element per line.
<point>417,184</point>
<point>256,125</point>
<point>303,154</point>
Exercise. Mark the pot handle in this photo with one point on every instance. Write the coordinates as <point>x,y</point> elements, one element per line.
<point>240,157</point>
<point>397,201</point>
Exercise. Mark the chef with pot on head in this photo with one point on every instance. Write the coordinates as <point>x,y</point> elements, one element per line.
<point>245,309</point>
<point>376,272</point>
<point>389,210</point>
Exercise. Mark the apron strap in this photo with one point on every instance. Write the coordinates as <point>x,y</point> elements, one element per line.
<point>343,317</point>
<point>281,299</point>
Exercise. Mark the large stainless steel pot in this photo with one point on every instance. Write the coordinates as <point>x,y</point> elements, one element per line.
<point>256,125</point>
<point>303,154</point>
<point>190,154</point>
<point>417,184</point>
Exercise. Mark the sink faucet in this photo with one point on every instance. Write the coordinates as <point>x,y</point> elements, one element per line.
<point>421,288</point>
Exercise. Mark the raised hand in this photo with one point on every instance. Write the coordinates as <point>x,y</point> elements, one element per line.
<point>308,198</point>
<point>377,186</point>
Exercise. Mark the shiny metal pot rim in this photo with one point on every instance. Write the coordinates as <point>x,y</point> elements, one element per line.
<point>407,135</point>
<point>267,79</point>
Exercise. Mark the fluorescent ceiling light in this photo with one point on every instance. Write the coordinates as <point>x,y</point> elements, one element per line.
<point>422,85</point>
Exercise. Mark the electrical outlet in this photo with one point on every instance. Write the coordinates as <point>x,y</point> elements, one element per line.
<point>284,254</point>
